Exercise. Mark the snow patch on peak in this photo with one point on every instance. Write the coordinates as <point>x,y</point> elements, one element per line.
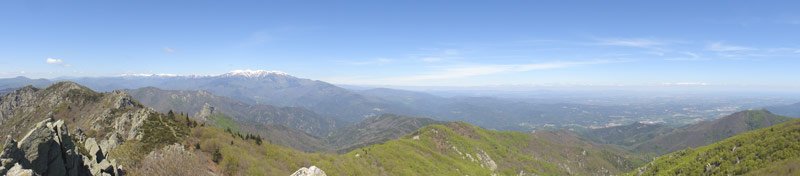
<point>253,73</point>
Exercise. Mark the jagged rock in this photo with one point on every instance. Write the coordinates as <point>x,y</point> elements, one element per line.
<point>43,148</point>
<point>17,170</point>
<point>10,156</point>
<point>310,171</point>
<point>97,160</point>
<point>48,149</point>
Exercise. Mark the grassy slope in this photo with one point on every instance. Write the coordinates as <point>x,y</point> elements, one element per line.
<point>734,156</point>
<point>223,121</point>
<point>705,133</point>
<point>440,150</point>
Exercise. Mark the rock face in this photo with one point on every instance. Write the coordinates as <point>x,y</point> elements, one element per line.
<point>204,113</point>
<point>310,171</point>
<point>48,149</point>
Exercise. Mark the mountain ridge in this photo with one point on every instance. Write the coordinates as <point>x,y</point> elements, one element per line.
<point>195,102</point>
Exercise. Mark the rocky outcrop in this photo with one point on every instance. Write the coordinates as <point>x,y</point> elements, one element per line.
<point>486,161</point>
<point>49,149</point>
<point>10,157</point>
<point>97,159</point>
<point>310,171</point>
<point>205,112</point>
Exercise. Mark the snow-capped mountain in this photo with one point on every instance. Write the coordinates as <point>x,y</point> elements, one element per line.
<point>246,73</point>
<point>149,75</point>
<point>253,73</point>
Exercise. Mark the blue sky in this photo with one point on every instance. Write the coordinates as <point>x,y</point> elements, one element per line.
<point>413,43</point>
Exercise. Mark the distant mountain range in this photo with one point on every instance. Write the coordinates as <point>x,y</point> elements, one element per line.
<point>344,106</point>
<point>11,84</point>
<point>257,87</point>
<point>792,110</point>
<point>347,106</point>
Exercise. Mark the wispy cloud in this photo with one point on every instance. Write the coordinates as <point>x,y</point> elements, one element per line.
<point>168,50</point>
<point>55,61</point>
<point>431,59</point>
<point>378,61</point>
<point>488,69</point>
<point>632,42</point>
<point>687,56</point>
<point>437,55</point>
<point>686,84</point>
<point>722,47</point>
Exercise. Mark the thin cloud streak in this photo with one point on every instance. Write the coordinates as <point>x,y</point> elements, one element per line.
<point>458,72</point>
<point>722,47</point>
<point>378,61</point>
<point>169,50</point>
<point>633,42</point>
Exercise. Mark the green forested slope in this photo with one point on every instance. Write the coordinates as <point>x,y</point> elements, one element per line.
<point>766,150</point>
<point>443,149</point>
<point>708,132</point>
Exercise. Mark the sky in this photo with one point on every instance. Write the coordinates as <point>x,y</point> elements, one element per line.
<point>413,43</point>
